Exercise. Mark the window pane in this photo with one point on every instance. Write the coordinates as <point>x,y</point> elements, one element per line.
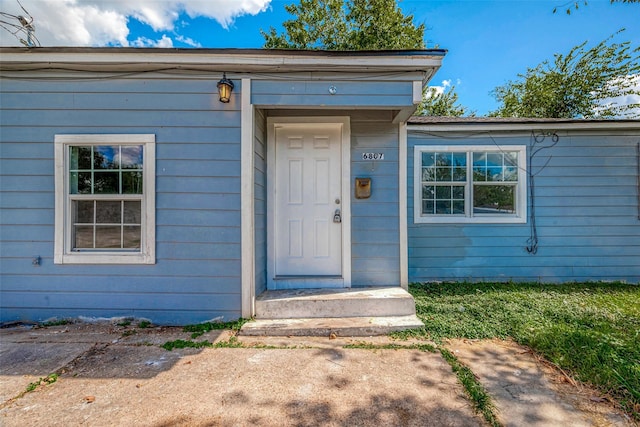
<point>130,157</point>
<point>428,159</point>
<point>80,158</point>
<point>494,173</point>
<point>80,183</point>
<point>132,212</point>
<point>459,159</point>
<point>494,159</point>
<point>83,211</point>
<point>443,207</point>
<point>458,192</point>
<point>460,174</point>
<point>131,182</point>
<point>458,207</point>
<point>479,174</point>
<point>104,157</point>
<point>493,199</point>
<point>106,183</point>
<point>131,236</point>
<point>73,183</point>
<point>510,173</point>
<point>479,159</point>
<point>108,237</point>
<point>443,174</point>
<point>427,207</point>
<point>443,192</point>
<point>108,212</point>
<point>83,237</point>
<point>443,159</point>
<point>428,192</point>
<point>511,159</point>
<point>429,174</point>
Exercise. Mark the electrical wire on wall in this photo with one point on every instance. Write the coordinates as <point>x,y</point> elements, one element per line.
<point>535,146</point>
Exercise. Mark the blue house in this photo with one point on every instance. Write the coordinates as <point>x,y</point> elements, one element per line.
<point>180,185</point>
<point>539,200</point>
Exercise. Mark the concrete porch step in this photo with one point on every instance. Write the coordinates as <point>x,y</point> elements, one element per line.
<point>334,303</point>
<point>324,327</point>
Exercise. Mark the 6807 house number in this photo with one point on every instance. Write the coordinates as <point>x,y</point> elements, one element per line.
<point>372,156</point>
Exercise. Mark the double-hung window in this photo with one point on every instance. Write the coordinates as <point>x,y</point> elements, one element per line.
<point>105,199</point>
<point>483,184</point>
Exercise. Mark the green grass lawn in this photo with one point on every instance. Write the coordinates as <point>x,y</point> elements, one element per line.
<point>591,330</point>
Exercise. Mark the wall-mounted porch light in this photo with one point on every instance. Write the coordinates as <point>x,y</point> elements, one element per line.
<point>225,86</point>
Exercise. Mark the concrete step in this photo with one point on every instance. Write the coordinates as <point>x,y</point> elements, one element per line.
<point>334,303</point>
<point>340,327</point>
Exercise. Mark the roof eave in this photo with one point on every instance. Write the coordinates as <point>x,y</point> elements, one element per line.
<point>233,60</point>
<point>527,126</point>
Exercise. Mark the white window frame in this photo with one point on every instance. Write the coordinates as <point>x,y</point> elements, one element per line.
<point>63,253</point>
<point>521,188</point>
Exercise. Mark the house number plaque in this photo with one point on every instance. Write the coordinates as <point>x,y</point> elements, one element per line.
<point>372,156</point>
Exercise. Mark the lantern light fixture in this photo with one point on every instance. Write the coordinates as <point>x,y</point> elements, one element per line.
<point>225,86</point>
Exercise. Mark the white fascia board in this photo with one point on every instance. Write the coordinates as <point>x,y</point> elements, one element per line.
<point>524,127</point>
<point>418,85</point>
<point>237,62</point>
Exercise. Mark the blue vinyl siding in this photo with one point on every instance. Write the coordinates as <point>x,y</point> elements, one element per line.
<point>360,94</point>
<point>197,272</point>
<point>260,202</point>
<point>586,206</point>
<point>375,238</point>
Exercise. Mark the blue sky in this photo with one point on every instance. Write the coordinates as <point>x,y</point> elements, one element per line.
<point>489,42</point>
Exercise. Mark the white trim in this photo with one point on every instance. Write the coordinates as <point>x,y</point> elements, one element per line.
<point>247,207</point>
<point>479,128</point>
<point>60,202</point>
<point>344,121</point>
<point>250,60</point>
<point>417,92</point>
<point>62,245</point>
<point>521,188</point>
<point>402,203</point>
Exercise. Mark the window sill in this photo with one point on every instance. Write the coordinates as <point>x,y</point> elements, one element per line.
<point>111,258</point>
<point>470,220</point>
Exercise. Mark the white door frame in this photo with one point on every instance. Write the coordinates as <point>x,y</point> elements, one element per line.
<point>272,123</point>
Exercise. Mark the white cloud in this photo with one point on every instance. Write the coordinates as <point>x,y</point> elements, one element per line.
<point>101,23</point>
<point>188,41</point>
<point>164,42</point>
<point>631,96</point>
<point>146,42</point>
<point>439,90</point>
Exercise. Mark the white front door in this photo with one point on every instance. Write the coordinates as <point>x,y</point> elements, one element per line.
<point>308,200</point>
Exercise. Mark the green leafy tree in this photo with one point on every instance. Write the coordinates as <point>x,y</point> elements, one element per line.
<point>579,84</point>
<point>441,104</point>
<point>571,5</point>
<point>346,25</point>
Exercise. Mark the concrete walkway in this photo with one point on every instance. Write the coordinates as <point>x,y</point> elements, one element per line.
<point>112,375</point>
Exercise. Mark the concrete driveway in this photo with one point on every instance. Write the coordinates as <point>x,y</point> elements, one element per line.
<point>112,375</point>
